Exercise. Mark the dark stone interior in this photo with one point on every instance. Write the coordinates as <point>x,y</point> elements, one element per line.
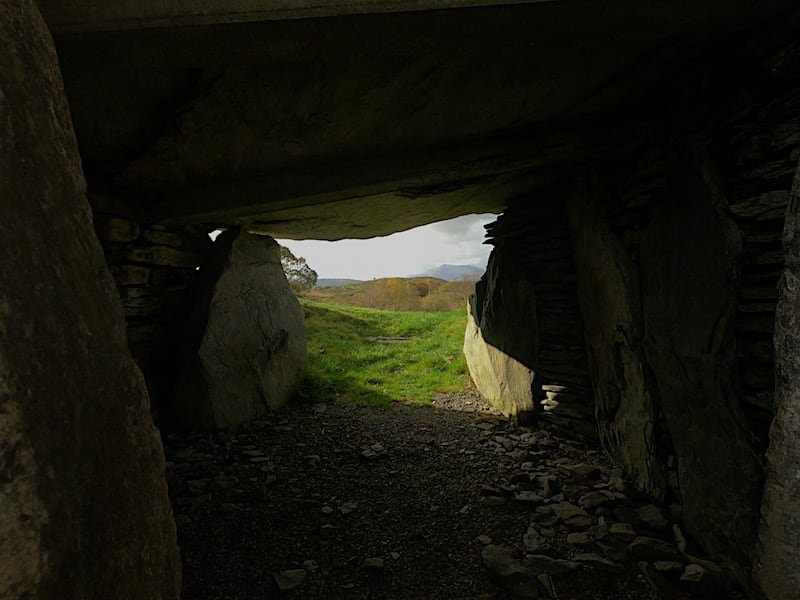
<point>641,157</point>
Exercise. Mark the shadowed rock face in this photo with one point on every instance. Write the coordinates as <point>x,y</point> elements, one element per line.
<point>502,362</point>
<point>689,262</point>
<point>244,347</point>
<point>777,569</point>
<point>381,121</point>
<point>353,126</point>
<point>610,300</point>
<point>84,511</point>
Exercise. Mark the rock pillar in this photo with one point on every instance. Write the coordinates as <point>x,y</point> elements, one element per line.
<point>501,339</point>
<point>610,300</point>
<point>777,567</point>
<point>689,256</point>
<point>244,346</point>
<point>83,501</point>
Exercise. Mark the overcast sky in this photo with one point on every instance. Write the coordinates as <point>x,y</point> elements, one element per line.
<point>457,241</point>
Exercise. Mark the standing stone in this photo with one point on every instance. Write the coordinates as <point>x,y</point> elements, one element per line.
<point>84,512</point>
<point>245,345</point>
<point>777,566</point>
<point>689,258</point>
<point>501,339</point>
<point>610,301</point>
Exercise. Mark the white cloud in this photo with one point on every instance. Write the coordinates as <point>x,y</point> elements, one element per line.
<point>455,242</point>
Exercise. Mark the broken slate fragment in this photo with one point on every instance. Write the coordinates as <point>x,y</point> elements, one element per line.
<point>290,579</point>
<point>374,451</point>
<point>647,548</point>
<point>372,563</point>
<point>598,563</point>
<point>509,573</point>
<point>541,563</point>
<point>622,532</point>
<point>651,516</point>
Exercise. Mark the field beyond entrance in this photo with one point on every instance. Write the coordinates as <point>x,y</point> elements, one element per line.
<point>398,293</point>
<point>381,356</point>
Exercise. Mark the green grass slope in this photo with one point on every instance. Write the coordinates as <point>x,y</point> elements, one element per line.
<point>350,356</point>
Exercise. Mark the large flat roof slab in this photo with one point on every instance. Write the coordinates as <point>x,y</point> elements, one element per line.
<point>79,16</point>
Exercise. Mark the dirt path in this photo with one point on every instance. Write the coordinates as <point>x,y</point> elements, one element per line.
<point>358,502</point>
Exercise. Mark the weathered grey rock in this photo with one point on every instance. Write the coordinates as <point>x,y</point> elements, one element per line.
<point>668,566</point>
<point>245,342</point>
<point>372,562</point>
<point>547,564</point>
<point>163,256</point>
<point>290,579</point>
<point>622,532</point>
<point>547,585</point>
<point>509,573</point>
<point>777,565</point>
<point>501,338</point>
<point>610,301</point>
<point>581,540</point>
<point>662,582</point>
<point>651,516</point>
<point>84,512</point>
<point>647,548</point>
<point>534,541</point>
<point>707,583</point>
<point>598,563</point>
<point>115,229</point>
<point>689,259</point>
<point>566,510</point>
<point>596,498</point>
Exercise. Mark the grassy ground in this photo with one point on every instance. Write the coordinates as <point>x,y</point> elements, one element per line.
<point>398,293</point>
<point>344,361</point>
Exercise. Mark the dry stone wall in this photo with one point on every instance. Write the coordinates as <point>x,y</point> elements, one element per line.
<point>154,268</point>
<point>535,236</point>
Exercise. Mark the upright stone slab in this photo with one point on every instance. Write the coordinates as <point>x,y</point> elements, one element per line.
<point>777,565</point>
<point>689,256</point>
<point>501,341</point>
<point>610,300</point>
<point>245,345</point>
<point>84,512</point>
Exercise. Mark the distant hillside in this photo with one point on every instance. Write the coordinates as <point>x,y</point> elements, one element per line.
<point>454,272</point>
<point>336,282</point>
<point>398,293</point>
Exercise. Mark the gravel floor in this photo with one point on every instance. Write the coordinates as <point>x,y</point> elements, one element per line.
<point>344,501</point>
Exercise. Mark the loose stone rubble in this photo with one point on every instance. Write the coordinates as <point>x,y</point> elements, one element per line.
<point>514,512</point>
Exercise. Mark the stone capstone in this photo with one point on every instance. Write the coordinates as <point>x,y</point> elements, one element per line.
<point>84,512</point>
<point>244,348</point>
<point>500,342</point>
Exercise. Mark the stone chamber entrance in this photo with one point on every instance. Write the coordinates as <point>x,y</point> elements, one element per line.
<point>638,316</point>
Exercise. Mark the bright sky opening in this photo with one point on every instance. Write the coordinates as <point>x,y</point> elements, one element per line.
<point>456,241</point>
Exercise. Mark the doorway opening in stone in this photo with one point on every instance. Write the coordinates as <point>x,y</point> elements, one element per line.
<point>385,316</point>
<point>338,498</point>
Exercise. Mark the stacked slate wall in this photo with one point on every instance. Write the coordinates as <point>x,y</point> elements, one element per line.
<point>154,268</point>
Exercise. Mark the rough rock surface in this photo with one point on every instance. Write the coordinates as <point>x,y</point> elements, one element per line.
<point>84,510</point>
<point>610,299</point>
<point>500,342</point>
<point>245,341</point>
<point>688,257</point>
<point>446,511</point>
<point>777,567</point>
